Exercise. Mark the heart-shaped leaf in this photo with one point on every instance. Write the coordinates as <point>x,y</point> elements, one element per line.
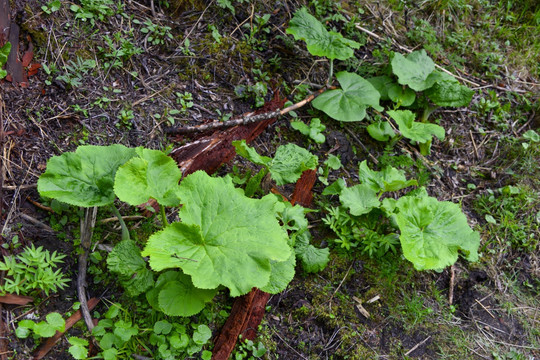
<point>351,101</point>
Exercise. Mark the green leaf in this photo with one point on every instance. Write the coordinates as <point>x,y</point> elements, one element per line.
<point>381,131</point>
<point>389,179</point>
<point>110,354</point>
<point>225,238</point>
<point>150,175</point>
<point>351,101</point>
<point>449,92</point>
<point>126,260</point>
<point>24,328</point>
<point>336,188</point>
<point>333,162</point>
<point>313,259</point>
<point>413,130</point>
<point>432,232</point>
<point>281,276</point>
<point>360,199</point>
<point>289,162</point>
<point>4,53</point>
<point>319,41</point>
<point>45,330</point>
<point>56,321</point>
<point>180,298</point>
<point>414,70</point>
<point>531,135</point>
<point>202,334</point>
<point>381,83</point>
<point>78,348</point>
<point>162,327</point>
<point>401,95</point>
<point>124,330</point>
<point>247,152</point>
<point>313,130</point>
<point>86,177</point>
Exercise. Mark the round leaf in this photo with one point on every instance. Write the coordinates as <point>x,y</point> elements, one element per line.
<point>282,275</point>
<point>350,102</point>
<point>414,70</point>
<point>86,177</point>
<point>413,130</point>
<point>150,175</point>
<point>225,238</point>
<point>433,231</point>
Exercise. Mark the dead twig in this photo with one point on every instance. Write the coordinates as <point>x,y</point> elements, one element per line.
<point>417,345</point>
<point>87,230</point>
<point>245,119</point>
<point>451,285</point>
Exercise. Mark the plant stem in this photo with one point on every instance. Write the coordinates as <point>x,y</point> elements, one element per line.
<point>329,83</point>
<point>125,231</point>
<point>164,220</point>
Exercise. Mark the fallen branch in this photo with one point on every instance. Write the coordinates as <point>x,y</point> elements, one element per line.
<point>87,229</point>
<point>16,299</point>
<point>72,320</point>
<point>245,119</point>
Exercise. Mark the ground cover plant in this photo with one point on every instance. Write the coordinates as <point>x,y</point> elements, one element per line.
<point>416,123</point>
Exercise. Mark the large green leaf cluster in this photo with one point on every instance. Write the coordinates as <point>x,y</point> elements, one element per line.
<point>224,239</point>
<point>432,232</point>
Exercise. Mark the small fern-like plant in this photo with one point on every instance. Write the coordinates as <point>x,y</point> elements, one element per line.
<point>32,271</point>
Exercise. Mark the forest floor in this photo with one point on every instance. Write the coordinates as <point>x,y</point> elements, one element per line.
<point>129,72</point>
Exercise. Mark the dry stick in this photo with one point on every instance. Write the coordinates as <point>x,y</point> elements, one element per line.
<point>246,118</point>
<point>451,285</point>
<point>417,345</point>
<point>409,51</point>
<point>87,230</point>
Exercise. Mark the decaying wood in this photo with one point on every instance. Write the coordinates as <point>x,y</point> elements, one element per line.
<point>72,320</point>
<point>302,194</point>
<point>226,340</point>
<point>208,153</point>
<point>14,299</point>
<point>87,229</point>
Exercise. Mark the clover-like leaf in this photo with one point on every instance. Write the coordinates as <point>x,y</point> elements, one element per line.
<point>84,177</point>
<point>151,174</point>
<point>319,41</point>
<point>351,101</point>
<point>313,130</point>
<point>126,261</point>
<point>388,179</point>
<point>414,70</point>
<point>413,130</point>
<point>78,348</point>
<point>225,238</point>
<point>432,232</point>
<point>381,131</point>
<point>360,199</point>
